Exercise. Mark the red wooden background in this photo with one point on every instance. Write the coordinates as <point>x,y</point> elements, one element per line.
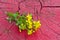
<point>48,11</point>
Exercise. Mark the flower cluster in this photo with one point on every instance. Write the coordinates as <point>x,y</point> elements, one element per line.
<point>24,22</point>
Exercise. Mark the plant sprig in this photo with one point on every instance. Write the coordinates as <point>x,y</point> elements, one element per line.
<point>24,22</point>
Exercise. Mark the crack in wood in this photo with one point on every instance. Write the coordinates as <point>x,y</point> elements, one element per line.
<point>51,6</point>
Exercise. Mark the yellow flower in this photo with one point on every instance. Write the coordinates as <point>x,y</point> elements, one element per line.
<point>29,17</point>
<point>30,26</point>
<point>29,23</point>
<point>30,32</point>
<point>36,24</point>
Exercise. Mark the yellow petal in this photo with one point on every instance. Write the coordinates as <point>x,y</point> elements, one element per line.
<point>37,24</point>
<point>29,32</point>
<point>29,17</point>
<point>30,26</point>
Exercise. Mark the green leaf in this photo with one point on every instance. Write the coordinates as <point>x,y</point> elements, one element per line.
<point>10,14</point>
<point>15,15</point>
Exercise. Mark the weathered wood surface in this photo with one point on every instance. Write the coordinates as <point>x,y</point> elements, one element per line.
<point>48,11</point>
